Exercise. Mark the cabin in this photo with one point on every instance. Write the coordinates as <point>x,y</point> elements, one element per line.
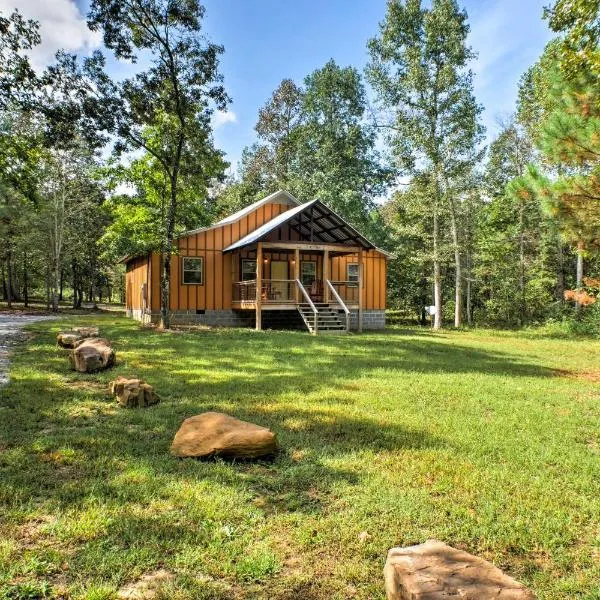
<point>276,263</point>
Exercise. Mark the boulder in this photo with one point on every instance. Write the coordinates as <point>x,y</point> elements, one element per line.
<point>69,339</point>
<point>217,434</point>
<point>434,571</point>
<point>93,354</point>
<point>87,332</point>
<point>133,393</point>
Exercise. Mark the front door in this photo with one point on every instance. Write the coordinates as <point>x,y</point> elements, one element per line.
<point>279,283</point>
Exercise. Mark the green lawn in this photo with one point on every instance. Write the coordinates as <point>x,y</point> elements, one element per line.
<point>489,441</point>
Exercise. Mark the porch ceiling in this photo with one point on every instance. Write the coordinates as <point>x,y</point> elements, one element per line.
<point>314,223</point>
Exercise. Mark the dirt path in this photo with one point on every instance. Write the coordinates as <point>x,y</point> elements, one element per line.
<point>11,333</point>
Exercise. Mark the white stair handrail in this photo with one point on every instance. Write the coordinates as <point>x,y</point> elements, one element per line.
<point>310,303</point>
<point>339,300</point>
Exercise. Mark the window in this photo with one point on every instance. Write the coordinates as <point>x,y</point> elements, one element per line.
<point>352,274</point>
<point>193,270</point>
<point>248,270</point>
<point>308,272</point>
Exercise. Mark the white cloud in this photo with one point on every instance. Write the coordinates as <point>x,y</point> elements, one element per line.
<point>222,117</point>
<point>62,26</point>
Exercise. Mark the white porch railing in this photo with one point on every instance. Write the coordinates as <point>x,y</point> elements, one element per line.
<point>348,291</point>
<point>340,303</point>
<point>311,304</point>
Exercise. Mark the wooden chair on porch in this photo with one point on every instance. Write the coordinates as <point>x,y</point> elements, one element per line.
<point>316,291</point>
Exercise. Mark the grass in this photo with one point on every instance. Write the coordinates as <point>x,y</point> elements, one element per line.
<point>486,440</point>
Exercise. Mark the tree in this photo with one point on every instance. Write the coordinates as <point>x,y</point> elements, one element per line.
<point>17,78</point>
<point>419,70</point>
<point>139,215</point>
<point>278,125</point>
<point>513,219</point>
<point>579,22</point>
<point>336,157</point>
<point>314,141</point>
<point>410,217</point>
<point>568,141</point>
<point>165,109</point>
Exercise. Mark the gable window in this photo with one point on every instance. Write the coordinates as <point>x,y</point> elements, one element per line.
<point>308,272</point>
<point>193,270</point>
<point>248,269</point>
<point>352,272</point>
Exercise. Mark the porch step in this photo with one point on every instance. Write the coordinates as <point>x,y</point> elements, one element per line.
<point>329,318</point>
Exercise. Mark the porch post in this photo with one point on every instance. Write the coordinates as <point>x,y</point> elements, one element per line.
<point>297,273</point>
<point>325,276</point>
<point>259,270</point>
<point>361,269</point>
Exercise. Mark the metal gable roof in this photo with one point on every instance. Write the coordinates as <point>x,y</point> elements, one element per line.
<point>283,195</point>
<point>286,197</point>
<point>313,221</point>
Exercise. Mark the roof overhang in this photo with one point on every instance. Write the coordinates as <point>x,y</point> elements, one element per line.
<point>278,197</point>
<point>314,222</point>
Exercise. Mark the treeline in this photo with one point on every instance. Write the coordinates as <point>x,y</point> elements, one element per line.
<point>93,169</point>
<point>505,235</point>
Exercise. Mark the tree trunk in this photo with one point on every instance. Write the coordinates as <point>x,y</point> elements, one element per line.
<point>560,272</point>
<point>48,294</point>
<point>56,284</point>
<point>74,281</point>
<point>25,281</point>
<point>468,301</point>
<point>9,281</point>
<point>60,288</point>
<point>579,283</point>
<point>437,277</point>
<point>165,317</point>
<point>165,282</point>
<point>457,267</point>
<point>522,307</point>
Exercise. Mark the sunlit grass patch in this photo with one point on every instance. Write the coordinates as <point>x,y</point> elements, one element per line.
<point>387,438</point>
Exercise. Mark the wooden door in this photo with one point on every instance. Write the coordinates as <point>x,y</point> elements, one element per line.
<point>279,277</point>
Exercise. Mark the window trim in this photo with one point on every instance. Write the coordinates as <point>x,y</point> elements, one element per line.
<point>302,263</point>
<point>252,260</point>
<point>183,270</point>
<point>352,282</point>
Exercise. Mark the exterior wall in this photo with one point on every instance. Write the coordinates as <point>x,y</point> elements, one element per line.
<point>219,269</point>
<point>222,318</point>
<point>372,319</point>
<point>143,316</point>
<point>374,289</point>
<point>137,274</point>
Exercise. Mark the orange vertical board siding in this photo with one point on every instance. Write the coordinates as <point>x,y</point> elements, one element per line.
<point>155,282</point>
<point>227,280</point>
<point>208,289</point>
<point>175,276</point>
<point>219,276</point>
<point>183,289</point>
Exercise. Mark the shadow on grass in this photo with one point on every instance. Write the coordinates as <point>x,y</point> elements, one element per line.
<point>63,444</point>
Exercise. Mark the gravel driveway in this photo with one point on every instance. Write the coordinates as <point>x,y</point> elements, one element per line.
<point>11,333</point>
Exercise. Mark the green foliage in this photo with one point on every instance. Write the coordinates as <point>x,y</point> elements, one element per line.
<point>17,78</point>
<point>165,109</point>
<point>419,69</point>
<point>579,22</point>
<point>315,143</point>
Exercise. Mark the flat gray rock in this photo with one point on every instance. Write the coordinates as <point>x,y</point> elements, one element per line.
<point>436,571</point>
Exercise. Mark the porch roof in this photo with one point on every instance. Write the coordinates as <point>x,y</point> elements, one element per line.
<point>314,222</point>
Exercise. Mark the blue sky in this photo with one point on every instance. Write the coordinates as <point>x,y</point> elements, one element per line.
<point>268,40</point>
